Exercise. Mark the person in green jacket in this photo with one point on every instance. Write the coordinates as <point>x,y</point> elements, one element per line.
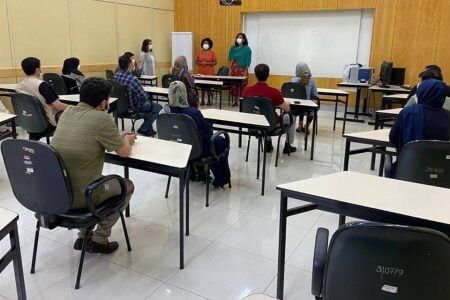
<point>240,57</point>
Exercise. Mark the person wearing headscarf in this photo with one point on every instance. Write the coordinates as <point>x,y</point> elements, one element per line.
<point>181,71</point>
<point>425,120</point>
<point>178,104</point>
<point>304,77</point>
<point>240,58</point>
<point>71,73</point>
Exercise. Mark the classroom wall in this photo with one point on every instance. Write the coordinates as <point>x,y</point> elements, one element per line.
<point>411,33</point>
<point>95,31</point>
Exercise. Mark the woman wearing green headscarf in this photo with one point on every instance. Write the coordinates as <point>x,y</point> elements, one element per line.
<point>240,57</point>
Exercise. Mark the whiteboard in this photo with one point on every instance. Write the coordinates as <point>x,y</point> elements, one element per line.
<point>325,40</point>
<point>182,44</point>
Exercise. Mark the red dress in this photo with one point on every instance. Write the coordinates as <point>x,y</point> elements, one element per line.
<point>236,70</point>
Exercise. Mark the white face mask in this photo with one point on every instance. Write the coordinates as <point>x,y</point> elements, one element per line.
<point>205,46</point>
<point>150,47</point>
<point>239,41</point>
<point>78,68</point>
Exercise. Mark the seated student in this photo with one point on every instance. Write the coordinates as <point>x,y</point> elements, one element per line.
<point>137,71</point>
<point>138,97</point>
<point>71,72</point>
<point>40,89</point>
<point>425,120</point>
<point>262,89</point>
<point>178,104</point>
<point>84,133</point>
<point>431,71</point>
<point>180,69</point>
<point>304,77</point>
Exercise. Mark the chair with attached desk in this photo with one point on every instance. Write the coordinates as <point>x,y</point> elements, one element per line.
<point>71,85</point>
<point>31,116</point>
<point>109,74</point>
<point>224,71</point>
<point>56,82</point>
<point>40,182</point>
<point>167,79</point>
<point>374,261</point>
<point>263,106</point>
<point>182,129</point>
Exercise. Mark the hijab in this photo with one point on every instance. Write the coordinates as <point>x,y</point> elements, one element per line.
<point>302,69</point>
<point>430,93</point>
<point>178,95</point>
<point>180,63</point>
<point>71,66</point>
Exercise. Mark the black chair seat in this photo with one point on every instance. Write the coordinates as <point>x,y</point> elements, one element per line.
<point>274,132</point>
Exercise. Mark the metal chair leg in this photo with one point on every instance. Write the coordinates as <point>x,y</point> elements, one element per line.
<point>278,151</point>
<point>125,231</point>
<point>248,148</point>
<point>36,239</point>
<point>123,124</point>
<point>341,220</point>
<point>167,187</point>
<point>80,266</point>
<point>47,138</point>
<point>207,185</point>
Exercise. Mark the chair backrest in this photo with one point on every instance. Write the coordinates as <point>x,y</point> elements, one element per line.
<point>426,162</point>
<point>260,106</point>
<point>71,85</point>
<point>109,74</point>
<point>182,129</point>
<point>31,115</point>
<point>293,90</point>
<point>37,176</point>
<point>56,82</point>
<point>223,71</point>
<point>123,101</point>
<point>378,261</point>
<point>167,79</point>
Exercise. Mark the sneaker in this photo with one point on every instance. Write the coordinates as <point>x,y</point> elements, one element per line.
<point>79,244</point>
<point>110,247</point>
<point>289,148</point>
<point>269,147</point>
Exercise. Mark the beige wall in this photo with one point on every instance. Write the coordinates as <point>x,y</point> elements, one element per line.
<point>95,31</point>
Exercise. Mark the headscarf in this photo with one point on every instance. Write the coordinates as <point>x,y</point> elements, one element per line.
<point>180,63</point>
<point>302,69</point>
<point>178,95</point>
<point>431,93</point>
<point>242,54</point>
<point>71,66</point>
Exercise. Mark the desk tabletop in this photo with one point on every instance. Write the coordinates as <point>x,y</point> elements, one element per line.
<point>6,217</point>
<point>332,92</point>
<point>161,152</point>
<point>391,88</point>
<point>237,78</point>
<point>76,98</point>
<point>156,90</point>
<point>10,87</point>
<point>235,116</point>
<point>406,198</point>
<point>381,135</point>
<point>393,111</point>
<point>396,96</point>
<point>258,297</point>
<point>208,82</point>
<point>303,102</point>
<point>4,117</point>
<point>354,84</point>
<point>148,77</point>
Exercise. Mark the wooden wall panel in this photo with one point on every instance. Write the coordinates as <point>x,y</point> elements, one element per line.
<point>5,48</point>
<point>255,5</point>
<point>286,5</point>
<point>443,46</point>
<point>356,4</point>
<point>162,26</point>
<point>320,4</point>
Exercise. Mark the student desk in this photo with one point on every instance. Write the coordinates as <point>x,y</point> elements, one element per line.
<point>241,120</point>
<point>378,141</point>
<point>358,86</point>
<point>149,80</point>
<point>8,87</point>
<point>154,91</point>
<point>336,93</point>
<point>5,119</point>
<point>227,80</point>
<point>394,99</point>
<point>307,105</point>
<point>162,157</point>
<point>384,115</point>
<point>8,226</point>
<point>367,197</point>
<point>75,99</point>
<point>210,85</point>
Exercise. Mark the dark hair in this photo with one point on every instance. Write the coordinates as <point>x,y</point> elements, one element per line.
<point>30,64</point>
<point>130,54</point>
<point>207,40</point>
<point>70,64</point>
<point>244,42</point>
<point>434,67</point>
<point>124,62</point>
<point>262,72</point>
<point>94,90</point>
<point>430,73</point>
<point>145,44</point>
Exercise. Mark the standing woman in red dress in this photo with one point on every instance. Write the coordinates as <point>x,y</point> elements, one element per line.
<point>206,60</point>
<point>240,57</point>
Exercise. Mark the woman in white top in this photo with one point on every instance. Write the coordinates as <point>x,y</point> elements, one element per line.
<point>148,62</point>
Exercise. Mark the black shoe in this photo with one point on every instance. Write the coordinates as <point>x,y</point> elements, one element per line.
<point>110,247</point>
<point>79,244</point>
<point>289,148</point>
<point>202,102</point>
<point>269,147</point>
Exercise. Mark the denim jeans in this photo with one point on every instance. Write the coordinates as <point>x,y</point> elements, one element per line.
<point>152,109</point>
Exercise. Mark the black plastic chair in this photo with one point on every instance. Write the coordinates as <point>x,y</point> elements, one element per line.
<point>223,71</point>
<point>425,162</point>
<point>71,85</point>
<point>31,115</point>
<point>41,183</point>
<point>182,129</point>
<point>109,74</point>
<point>56,82</point>
<point>374,261</point>
<point>167,79</point>
<point>124,109</point>
<point>263,106</point>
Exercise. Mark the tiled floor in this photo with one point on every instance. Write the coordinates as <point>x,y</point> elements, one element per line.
<point>232,249</point>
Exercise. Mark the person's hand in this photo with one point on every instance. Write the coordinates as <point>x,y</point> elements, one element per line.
<point>130,136</point>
